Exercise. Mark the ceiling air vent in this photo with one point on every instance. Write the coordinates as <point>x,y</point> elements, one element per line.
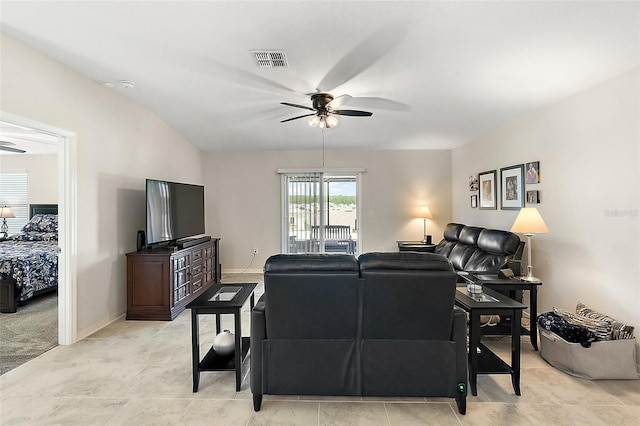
<point>270,58</point>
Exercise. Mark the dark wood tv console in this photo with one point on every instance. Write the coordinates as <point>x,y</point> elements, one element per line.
<point>162,280</point>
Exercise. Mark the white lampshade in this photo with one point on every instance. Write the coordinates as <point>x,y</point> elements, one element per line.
<point>6,212</point>
<point>425,213</point>
<point>529,221</point>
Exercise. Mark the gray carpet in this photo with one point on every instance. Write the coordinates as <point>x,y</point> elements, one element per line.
<point>29,332</point>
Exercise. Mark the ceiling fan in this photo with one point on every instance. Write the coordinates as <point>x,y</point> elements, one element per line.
<point>324,107</point>
<point>4,147</point>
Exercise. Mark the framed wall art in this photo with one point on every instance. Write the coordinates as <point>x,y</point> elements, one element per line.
<point>533,172</point>
<point>533,197</point>
<point>473,183</point>
<point>512,187</point>
<point>474,201</point>
<point>487,187</point>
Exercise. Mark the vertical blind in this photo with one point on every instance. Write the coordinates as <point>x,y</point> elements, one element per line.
<point>303,210</point>
<point>13,193</point>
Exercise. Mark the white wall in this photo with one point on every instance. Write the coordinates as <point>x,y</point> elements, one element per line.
<point>119,144</point>
<point>588,148</point>
<point>42,175</point>
<point>243,198</point>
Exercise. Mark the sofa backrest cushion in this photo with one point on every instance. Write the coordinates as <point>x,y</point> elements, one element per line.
<point>451,234</point>
<point>407,296</point>
<point>311,296</point>
<point>494,241</point>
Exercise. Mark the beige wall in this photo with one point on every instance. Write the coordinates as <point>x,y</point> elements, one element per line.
<point>588,148</point>
<point>42,175</point>
<point>243,198</point>
<point>119,144</point>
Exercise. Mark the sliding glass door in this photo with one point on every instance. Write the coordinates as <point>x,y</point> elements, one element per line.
<point>320,212</point>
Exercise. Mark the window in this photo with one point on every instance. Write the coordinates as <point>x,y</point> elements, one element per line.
<point>13,193</point>
<point>320,212</point>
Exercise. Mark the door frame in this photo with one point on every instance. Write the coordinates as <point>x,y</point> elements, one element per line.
<point>67,230</point>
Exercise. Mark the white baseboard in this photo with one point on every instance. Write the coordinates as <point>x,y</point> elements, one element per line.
<point>227,272</point>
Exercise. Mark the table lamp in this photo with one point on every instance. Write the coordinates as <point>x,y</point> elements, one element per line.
<point>529,222</point>
<point>5,212</point>
<point>424,213</point>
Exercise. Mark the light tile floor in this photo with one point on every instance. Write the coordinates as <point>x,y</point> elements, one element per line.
<point>139,373</point>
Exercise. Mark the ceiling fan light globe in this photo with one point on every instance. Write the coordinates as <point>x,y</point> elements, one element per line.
<point>331,121</point>
<point>314,121</point>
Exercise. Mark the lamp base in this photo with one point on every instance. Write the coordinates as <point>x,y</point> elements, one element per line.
<point>427,239</point>
<point>4,228</point>
<point>530,278</point>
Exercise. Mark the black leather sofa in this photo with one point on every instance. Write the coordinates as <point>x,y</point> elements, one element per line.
<point>381,325</point>
<point>471,248</point>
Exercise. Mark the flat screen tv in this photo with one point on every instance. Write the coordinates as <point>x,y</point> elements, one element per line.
<point>174,211</point>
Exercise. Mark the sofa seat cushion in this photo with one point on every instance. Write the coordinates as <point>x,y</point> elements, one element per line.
<point>481,261</point>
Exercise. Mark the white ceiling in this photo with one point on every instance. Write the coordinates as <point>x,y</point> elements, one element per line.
<point>32,141</point>
<point>434,74</point>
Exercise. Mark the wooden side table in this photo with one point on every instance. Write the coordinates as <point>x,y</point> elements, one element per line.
<point>208,303</point>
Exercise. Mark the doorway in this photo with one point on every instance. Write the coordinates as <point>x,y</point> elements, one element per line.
<point>67,202</point>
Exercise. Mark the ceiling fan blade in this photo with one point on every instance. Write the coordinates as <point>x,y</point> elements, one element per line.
<point>362,57</point>
<point>295,118</point>
<point>338,102</point>
<point>379,103</point>
<point>6,143</point>
<point>6,148</point>
<point>352,113</point>
<point>297,106</point>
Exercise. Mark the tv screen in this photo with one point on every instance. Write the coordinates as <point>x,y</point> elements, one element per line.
<point>174,211</point>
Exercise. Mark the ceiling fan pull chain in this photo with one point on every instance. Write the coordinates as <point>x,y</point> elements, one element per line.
<point>322,129</point>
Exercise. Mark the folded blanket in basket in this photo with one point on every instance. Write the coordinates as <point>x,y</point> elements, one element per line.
<point>570,332</point>
<point>619,330</point>
<point>602,329</point>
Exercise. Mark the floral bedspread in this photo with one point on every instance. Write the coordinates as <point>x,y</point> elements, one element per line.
<point>32,262</point>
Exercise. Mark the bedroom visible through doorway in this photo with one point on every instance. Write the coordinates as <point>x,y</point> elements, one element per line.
<point>63,144</point>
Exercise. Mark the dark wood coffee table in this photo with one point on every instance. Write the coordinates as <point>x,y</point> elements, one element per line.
<point>481,359</point>
<point>207,304</point>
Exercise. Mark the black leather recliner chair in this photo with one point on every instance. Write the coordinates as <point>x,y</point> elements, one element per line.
<point>384,325</point>
<point>414,342</point>
<point>305,326</point>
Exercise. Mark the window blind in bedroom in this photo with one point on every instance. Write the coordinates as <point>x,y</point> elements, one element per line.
<point>13,193</point>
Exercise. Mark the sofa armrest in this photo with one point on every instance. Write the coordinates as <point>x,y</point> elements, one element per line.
<point>459,336</point>
<point>258,334</point>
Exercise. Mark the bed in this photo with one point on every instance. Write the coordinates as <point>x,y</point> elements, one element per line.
<point>29,259</point>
